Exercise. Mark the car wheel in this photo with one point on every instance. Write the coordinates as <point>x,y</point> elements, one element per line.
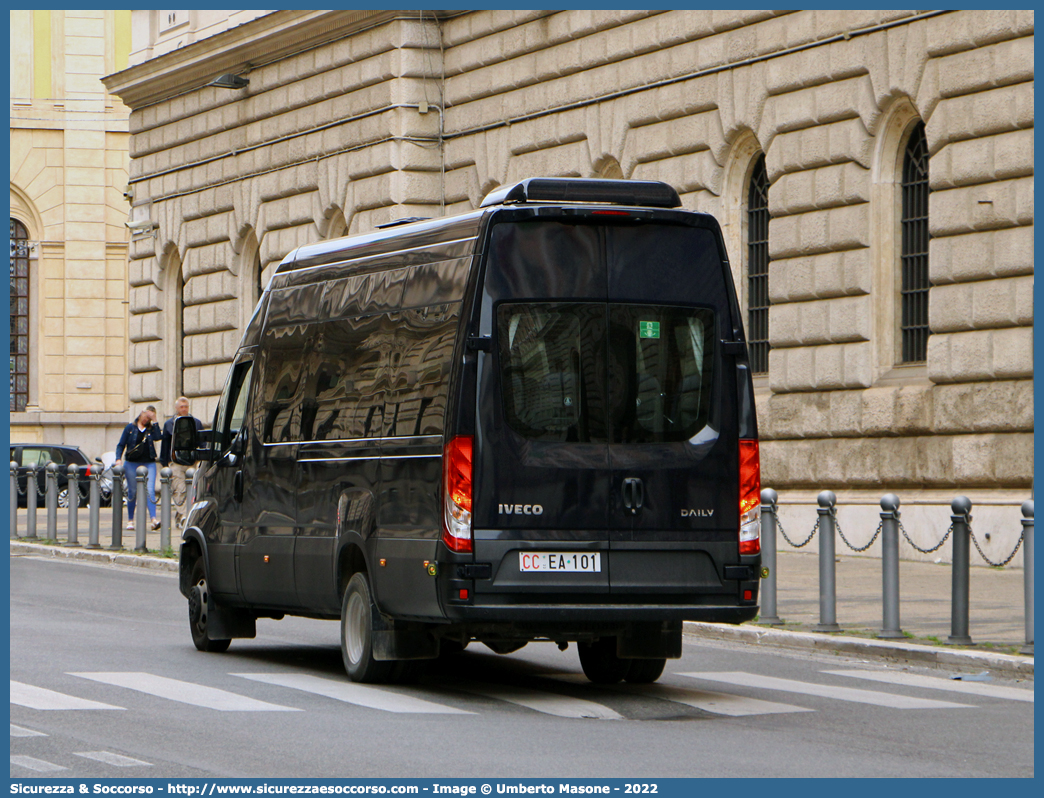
<point>645,671</point>
<point>63,498</point>
<point>600,663</point>
<point>357,635</point>
<point>199,598</point>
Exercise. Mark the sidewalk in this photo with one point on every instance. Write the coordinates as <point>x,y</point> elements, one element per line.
<point>996,619</point>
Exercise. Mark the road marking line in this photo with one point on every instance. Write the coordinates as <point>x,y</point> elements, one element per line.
<point>824,691</point>
<point>716,703</point>
<point>351,693</point>
<point>18,731</point>
<point>185,692</point>
<point>110,758</point>
<point>548,703</point>
<point>39,765</point>
<point>938,683</point>
<point>27,695</point>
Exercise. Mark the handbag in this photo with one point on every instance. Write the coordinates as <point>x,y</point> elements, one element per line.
<point>139,451</point>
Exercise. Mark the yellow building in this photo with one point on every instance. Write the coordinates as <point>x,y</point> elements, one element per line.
<point>69,169</point>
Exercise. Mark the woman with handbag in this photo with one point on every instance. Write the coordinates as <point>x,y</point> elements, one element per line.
<point>137,448</point>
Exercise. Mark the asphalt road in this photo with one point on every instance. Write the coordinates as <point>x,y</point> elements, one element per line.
<point>106,683</point>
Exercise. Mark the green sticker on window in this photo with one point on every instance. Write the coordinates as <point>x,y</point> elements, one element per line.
<point>649,329</point>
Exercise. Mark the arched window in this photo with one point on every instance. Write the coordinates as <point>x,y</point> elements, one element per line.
<point>914,256</point>
<point>757,267</point>
<point>19,316</point>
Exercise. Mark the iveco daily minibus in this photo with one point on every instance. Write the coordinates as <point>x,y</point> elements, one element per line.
<point>534,421</point>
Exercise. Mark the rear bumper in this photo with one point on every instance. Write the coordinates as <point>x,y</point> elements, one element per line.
<point>580,614</point>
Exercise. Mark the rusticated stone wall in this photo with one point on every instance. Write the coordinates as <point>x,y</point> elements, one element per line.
<point>356,118</point>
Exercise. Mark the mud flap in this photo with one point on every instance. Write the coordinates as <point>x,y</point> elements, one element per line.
<point>651,641</point>
<point>224,623</point>
<point>390,641</point>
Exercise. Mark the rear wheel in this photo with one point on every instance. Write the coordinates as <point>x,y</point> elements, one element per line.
<point>600,663</point>
<point>199,599</point>
<point>357,635</point>
<point>645,671</point>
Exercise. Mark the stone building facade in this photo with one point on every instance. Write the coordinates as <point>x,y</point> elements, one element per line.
<point>69,169</point>
<point>354,118</point>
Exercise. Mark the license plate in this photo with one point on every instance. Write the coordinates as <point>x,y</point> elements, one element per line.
<point>543,562</point>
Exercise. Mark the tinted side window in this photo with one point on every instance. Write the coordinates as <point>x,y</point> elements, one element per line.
<point>231,412</point>
<point>344,392</point>
<point>284,350</point>
<point>552,370</point>
<point>419,366</point>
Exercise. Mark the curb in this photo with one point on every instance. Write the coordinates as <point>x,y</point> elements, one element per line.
<point>96,555</point>
<point>1008,665</point>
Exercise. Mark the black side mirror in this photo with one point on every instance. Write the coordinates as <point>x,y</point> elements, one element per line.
<point>184,441</point>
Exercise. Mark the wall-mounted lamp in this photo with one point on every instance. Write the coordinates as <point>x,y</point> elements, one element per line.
<point>230,81</point>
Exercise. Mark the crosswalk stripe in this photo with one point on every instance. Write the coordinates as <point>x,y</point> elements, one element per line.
<point>32,763</point>
<point>185,692</point>
<point>938,683</point>
<point>110,758</point>
<point>18,731</point>
<point>716,703</point>
<point>27,695</point>
<point>352,693</point>
<point>548,703</point>
<point>875,698</point>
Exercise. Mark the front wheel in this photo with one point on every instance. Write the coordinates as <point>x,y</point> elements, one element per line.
<point>357,635</point>
<point>63,498</point>
<point>199,599</point>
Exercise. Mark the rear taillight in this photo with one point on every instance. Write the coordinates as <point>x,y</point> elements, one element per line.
<point>750,497</point>
<point>456,498</point>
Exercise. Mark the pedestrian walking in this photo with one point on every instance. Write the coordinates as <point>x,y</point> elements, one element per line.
<point>137,448</point>
<point>178,479</point>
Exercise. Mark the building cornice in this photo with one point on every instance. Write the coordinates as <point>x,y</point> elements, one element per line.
<point>251,44</point>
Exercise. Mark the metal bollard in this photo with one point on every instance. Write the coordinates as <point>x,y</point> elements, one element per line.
<point>142,510</point>
<point>890,568</point>
<point>31,498</point>
<point>960,579</point>
<point>52,500</point>
<point>1027,572</point>
<point>768,558</point>
<point>117,507</point>
<point>827,580</point>
<point>72,490</point>
<point>94,503</point>
<point>14,500</point>
<point>165,474</point>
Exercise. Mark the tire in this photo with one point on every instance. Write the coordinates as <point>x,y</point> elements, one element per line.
<point>600,663</point>
<point>63,498</point>
<point>645,671</point>
<point>199,595</point>
<point>357,635</point>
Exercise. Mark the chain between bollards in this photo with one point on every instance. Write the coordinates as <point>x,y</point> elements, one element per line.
<point>769,519</point>
<point>1027,572</point>
<point>890,629</point>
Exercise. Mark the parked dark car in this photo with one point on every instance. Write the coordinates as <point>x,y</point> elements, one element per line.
<point>40,454</point>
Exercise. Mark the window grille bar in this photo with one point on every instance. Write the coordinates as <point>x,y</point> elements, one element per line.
<point>914,328</point>
<point>757,268</point>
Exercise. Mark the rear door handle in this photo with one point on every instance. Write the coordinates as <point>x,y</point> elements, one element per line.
<point>633,494</point>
